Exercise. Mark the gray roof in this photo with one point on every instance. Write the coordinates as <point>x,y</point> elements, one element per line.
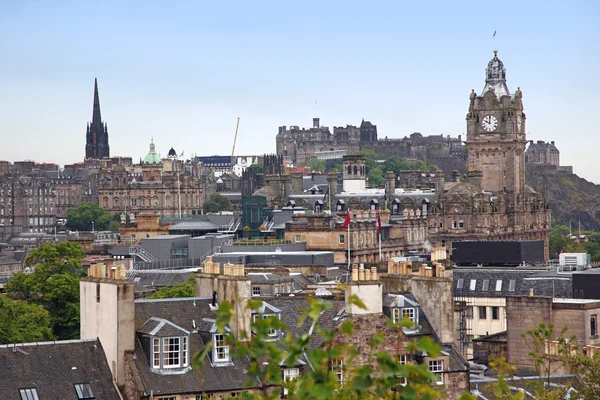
<point>513,282</point>
<point>53,368</point>
<point>264,277</point>
<point>160,278</point>
<point>194,226</point>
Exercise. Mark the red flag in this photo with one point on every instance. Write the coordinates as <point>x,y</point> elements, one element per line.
<point>378,223</point>
<point>347,220</point>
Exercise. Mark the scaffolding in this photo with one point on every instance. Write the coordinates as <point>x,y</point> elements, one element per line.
<point>464,309</point>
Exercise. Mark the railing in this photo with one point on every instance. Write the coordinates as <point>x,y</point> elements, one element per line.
<point>141,253</point>
<point>260,242</point>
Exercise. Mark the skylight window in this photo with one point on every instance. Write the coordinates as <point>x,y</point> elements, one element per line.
<point>84,391</point>
<point>459,283</point>
<point>29,394</point>
<point>473,284</point>
<point>512,285</point>
<point>499,285</point>
<point>486,285</point>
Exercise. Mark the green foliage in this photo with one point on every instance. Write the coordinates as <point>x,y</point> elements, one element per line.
<point>187,289</point>
<point>381,377</point>
<point>559,241</point>
<point>501,387</point>
<point>54,285</point>
<point>81,217</point>
<point>257,168</point>
<point>216,203</point>
<point>376,170</point>
<point>316,165</point>
<point>23,322</point>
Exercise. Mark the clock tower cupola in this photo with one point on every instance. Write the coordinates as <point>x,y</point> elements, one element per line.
<point>496,134</point>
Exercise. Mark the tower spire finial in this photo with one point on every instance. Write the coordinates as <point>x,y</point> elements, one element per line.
<point>96,113</point>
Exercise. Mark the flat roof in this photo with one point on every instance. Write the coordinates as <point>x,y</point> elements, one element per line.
<point>266,253</point>
<point>576,301</point>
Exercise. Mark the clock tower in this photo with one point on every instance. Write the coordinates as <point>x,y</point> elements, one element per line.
<point>496,135</point>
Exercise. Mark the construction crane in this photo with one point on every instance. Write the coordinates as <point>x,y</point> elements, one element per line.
<point>234,140</point>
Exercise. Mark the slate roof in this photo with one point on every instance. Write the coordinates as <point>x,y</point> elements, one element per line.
<point>543,283</point>
<point>53,368</point>
<point>184,313</point>
<point>160,278</point>
<point>264,278</point>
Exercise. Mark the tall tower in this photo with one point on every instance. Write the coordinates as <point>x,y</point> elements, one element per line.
<point>496,135</point>
<point>96,145</point>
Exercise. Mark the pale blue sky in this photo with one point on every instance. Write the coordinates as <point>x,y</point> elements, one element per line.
<point>183,72</point>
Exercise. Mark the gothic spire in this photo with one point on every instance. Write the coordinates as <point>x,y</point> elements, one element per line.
<point>96,114</point>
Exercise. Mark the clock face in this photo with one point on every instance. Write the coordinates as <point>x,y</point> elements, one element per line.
<point>519,123</point>
<point>489,123</point>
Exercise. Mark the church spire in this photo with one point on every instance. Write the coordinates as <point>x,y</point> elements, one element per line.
<point>96,114</point>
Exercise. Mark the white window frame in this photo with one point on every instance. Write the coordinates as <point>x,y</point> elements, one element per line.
<point>255,292</point>
<point>221,348</point>
<point>337,366</point>
<point>403,360</point>
<point>155,353</point>
<point>184,351</point>
<point>437,367</point>
<point>297,238</point>
<point>395,315</point>
<point>410,313</point>
<point>342,239</point>
<point>290,374</point>
<point>169,355</point>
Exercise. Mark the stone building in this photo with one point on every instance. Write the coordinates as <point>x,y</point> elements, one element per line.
<point>28,201</point>
<point>148,187</point>
<point>526,312</point>
<point>297,146</point>
<point>543,153</point>
<point>494,203</point>
<point>96,135</point>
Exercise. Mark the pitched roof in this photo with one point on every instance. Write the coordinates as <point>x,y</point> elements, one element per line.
<point>53,368</point>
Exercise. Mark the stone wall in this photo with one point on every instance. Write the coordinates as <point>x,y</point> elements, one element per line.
<point>524,313</point>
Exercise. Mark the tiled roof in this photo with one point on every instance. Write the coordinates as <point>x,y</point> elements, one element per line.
<point>160,278</point>
<point>53,368</point>
<point>182,312</point>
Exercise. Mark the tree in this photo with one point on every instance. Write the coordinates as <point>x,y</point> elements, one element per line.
<point>558,240</point>
<point>81,217</point>
<point>384,381</point>
<point>22,322</point>
<point>216,203</point>
<point>53,284</point>
<point>257,168</point>
<point>316,165</point>
<point>547,351</point>
<point>187,289</point>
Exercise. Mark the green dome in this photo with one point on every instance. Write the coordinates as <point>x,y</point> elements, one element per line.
<point>152,157</point>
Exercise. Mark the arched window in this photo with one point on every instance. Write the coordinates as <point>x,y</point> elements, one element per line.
<point>355,170</point>
<point>349,170</point>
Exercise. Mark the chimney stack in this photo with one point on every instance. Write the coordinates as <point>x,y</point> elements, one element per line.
<point>316,122</point>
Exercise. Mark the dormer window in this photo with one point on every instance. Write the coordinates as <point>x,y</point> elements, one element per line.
<point>170,352</point>
<point>399,314</point>
<point>272,331</point>
<point>220,349</point>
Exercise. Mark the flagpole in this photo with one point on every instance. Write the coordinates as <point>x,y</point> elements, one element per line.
<point>380,247</point>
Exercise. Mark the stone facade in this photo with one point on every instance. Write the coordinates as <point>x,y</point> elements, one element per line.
<point>543,153</point>
<point>297,146</point>
<point>96,135</point>
<point>494,203</point>
<point>28,201</point>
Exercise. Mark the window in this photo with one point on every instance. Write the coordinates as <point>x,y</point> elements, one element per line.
<point>403,360</point>
<point>499,285</point>
<point>84,391</point>
<point>495,312</point>
<point>408,313</point>
<point>437,367</point>
<point>29,394</point>
<point>156,353</point>
<point>337,366</point>
<point>167,398</point>
<point>97,293</point>
<point>255,290</point>
<point>594,325</point>
<point>470,312</point>
<point>482,312</point>
<point>512,285</point>
<point>486,285</point>
<point>396,315</point>
<point>184,349</point>
<point>297,238</point>
<point>221,348</point>
<point>342,239</point>
<point>461,224</point>
<point>460,283</point>
<point>290,374</point>
<point>454,224</point>
<point>171,353</point>
<point>473,284</point>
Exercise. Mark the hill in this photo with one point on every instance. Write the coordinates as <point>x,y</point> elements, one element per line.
<point>571,198</point>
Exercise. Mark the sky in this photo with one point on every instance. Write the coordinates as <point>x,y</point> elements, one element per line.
<point>181,72</point>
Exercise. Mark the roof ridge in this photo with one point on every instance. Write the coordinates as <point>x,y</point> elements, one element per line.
<point>4,346</point>
<point>173,299</point>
